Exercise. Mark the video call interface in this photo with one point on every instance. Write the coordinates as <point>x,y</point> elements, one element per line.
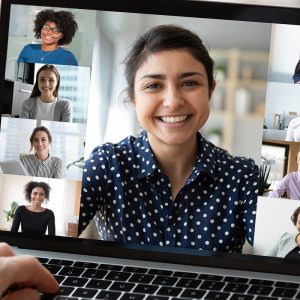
<point>254,113</point>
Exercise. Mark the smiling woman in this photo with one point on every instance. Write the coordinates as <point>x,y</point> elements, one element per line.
<point>169,186</point>
<point>41,163</point>
<point>54,29</point>
<point>44,103</point>
<point>34,218</point>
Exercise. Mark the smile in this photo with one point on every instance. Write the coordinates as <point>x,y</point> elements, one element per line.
<point>175,119</point>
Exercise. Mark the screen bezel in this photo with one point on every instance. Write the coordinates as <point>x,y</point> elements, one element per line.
<point>227,11</point>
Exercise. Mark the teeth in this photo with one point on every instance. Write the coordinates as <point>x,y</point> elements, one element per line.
<point>174,119</point>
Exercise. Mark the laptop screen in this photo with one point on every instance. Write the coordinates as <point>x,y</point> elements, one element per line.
<point>65,93</point>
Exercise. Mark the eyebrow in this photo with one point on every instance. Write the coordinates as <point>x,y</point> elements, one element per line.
<point>162,76</point>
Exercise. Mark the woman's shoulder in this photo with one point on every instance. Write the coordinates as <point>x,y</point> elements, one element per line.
<point>63,101</point>
<point>31,47</point>
<point>30,101</point>
<point>111,150</point>
<point>55,159</point>
<point>222,156</point>
<point>21,208</point>
<point>49,212</point>
<point>287,237</point>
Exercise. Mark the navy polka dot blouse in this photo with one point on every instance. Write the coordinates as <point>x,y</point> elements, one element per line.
<point>131,200</point>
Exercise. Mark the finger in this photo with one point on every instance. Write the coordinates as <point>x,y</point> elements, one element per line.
<point>6,250</point>
<point>23,294</point>
<point>27,271</point>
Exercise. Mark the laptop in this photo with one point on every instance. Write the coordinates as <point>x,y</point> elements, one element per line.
<point>255,49</point>
<point>13,167</point>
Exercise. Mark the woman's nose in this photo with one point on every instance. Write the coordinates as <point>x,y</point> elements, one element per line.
<point>173,98</point>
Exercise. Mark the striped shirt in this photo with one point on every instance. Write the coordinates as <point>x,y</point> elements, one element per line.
<point>52,167</point>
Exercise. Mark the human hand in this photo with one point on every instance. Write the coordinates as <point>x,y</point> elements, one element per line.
<point>26,273</point>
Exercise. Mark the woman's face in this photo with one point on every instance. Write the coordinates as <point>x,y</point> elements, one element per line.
<point>47,83</point>
<point>37,196</point>
<point>298,223</point>
<point>41,142</point>
<point>50,34</point>
<point>171,97</point>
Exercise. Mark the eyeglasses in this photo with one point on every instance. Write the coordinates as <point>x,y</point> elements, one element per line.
<point>54,30</point>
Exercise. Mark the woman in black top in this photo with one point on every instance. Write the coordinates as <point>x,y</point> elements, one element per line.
<point>34,218</point>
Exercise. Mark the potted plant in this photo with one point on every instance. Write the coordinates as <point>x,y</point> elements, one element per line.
<point>11,212</point>
<point>264,172</point>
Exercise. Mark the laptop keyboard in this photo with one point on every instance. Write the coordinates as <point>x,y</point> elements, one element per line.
<point>85,280</point>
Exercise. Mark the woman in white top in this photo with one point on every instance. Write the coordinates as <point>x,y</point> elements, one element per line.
<point>44,103</point>
<point>293,131</point>
<point>41,163</point>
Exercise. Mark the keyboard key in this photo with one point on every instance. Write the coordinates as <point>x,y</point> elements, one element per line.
<point>164,280</point>
<point>59,278</point>
<point>61,262</point>
<point>188,283</point>
<point>98,284</point>
<point>146,289</point>
<point>65,298</point>
<point>265,298</point>
<point>71,271</point>
<point>169,291</point>
<point>43,260</point>
<point>108,295</point>
<point>212,285</point>
<point>85,293</point>
<point>289,285</point>
<point>284,293</point>
<point>135,270</point>
<point>82,264</point>
<point>190,293</point>
<point>52,268</point>
<point>131,296</point>
<point>66,290</point>
<point>122,286</point>
<point>160,272</point>
<point>236,287</point>
<point>217,296</point>
<point>260,290</point>
<point>141,278</point>
<point>93,273</point>
<point>110,267</point>
<point>185,275</point>
<point>210,277</point>
<point>261,282</point>
<point>157,298</point>
<point>236,279</point>
<point>118,276</point>
<point>241,297</point>
<point>75,281</point>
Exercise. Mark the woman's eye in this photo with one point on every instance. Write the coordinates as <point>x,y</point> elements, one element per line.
<point>152,86</point>
<point>190,83</point>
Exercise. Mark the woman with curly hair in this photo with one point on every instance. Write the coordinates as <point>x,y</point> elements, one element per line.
<point>55,29</point>
<point>34,218</point>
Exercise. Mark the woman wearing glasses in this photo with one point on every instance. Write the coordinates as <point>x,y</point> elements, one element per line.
<point>55,29</point>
